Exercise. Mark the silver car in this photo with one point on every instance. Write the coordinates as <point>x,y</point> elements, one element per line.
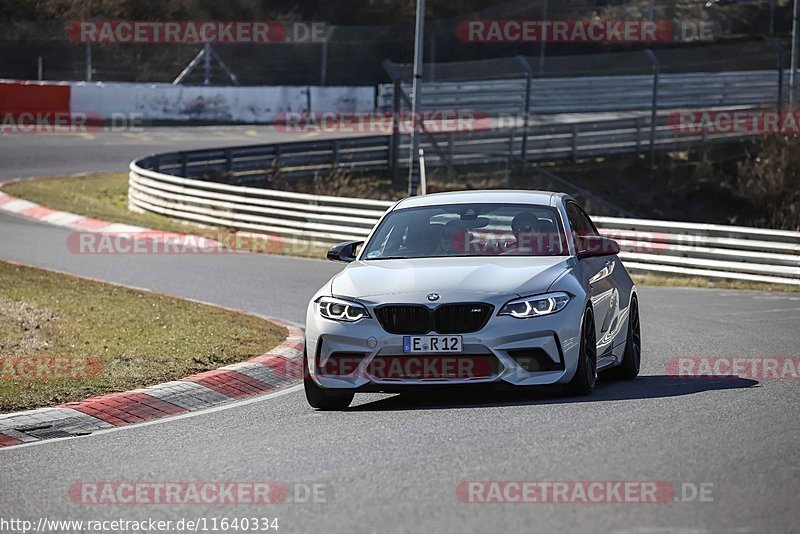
<point>500,288</point>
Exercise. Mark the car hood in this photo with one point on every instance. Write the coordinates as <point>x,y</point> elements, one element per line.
<point>522,275</point>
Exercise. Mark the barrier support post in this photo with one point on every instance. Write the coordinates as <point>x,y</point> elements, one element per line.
<point>654,106</point>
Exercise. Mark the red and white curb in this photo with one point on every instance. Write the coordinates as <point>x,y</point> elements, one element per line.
<point>81,223</point>
<point>280,367</point>
<point>31,210</point>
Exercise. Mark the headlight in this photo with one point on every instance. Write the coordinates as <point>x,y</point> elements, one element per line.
<point>535,306</point>
<point>341,310</point>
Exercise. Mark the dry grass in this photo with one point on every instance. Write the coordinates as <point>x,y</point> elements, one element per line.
<point>712,283</point>
<point>132,338</point>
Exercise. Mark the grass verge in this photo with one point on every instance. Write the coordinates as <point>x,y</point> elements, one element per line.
<point>52,324</point>
<point>710,283</point>
<point>105,196</point>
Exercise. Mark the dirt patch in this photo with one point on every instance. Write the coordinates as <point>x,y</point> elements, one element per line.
<point>26,328</point>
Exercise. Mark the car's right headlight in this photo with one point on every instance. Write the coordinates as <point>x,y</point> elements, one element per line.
<point>341,310</point>
<point>535,306</point>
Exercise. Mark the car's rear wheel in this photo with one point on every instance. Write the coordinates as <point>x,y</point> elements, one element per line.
<point>322,398</point>
<point>632,357</point>
<point>586,375</point>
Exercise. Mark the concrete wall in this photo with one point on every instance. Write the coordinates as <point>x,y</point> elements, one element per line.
<point>239,104</point>
<point>193,103</point>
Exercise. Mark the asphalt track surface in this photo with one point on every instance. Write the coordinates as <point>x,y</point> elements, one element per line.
<point>393,463</point>
<point>26,155</point>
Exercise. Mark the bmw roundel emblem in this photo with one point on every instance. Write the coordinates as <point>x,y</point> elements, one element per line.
<point>434,296</point>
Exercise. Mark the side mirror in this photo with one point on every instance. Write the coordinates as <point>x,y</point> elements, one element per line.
<point>595,245</point>
<point>345,252</point>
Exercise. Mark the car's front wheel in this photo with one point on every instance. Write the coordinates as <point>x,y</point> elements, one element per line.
<point>321,398</point>
<point>632,357</point>
<point>586,375</point>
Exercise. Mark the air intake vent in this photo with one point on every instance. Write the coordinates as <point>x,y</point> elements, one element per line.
<point>535,360</point>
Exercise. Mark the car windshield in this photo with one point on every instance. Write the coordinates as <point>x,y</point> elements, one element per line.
<point>468,230</point>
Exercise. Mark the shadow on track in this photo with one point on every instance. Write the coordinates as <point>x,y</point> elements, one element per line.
<point>644,387</point>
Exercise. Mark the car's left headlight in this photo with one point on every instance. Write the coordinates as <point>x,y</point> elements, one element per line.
<point>535,306</point>
<point>341,310</point>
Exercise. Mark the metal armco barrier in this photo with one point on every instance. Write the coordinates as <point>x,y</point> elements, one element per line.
<point>597,93</point>
<point>716,251</point>
<point>501,142</point>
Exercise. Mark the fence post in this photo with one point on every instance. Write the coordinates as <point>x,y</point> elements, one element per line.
<point>654,106</point>
<point>206,64</point>
<point>543,43</point>
<point>417,127</point>
<point>779,49</point>
<point>88,61</point>
<point>394,145</point>
<point>527,104</point>
<point>323,72</point>
<point>394,140</point>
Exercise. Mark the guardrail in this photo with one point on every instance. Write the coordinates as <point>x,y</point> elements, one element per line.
<point>597,93</point>
<point>542,141</point>
<point>314,218</point>
<point>717,251</point>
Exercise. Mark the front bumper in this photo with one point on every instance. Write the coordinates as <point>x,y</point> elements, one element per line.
<point>556,335</point>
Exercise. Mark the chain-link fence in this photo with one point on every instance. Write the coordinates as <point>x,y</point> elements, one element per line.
<point>352,55</point>
<point>497,107</point>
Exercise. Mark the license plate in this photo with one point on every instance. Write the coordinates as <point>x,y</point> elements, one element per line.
<point>431,344</point>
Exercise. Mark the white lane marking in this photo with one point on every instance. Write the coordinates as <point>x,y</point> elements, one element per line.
<point>755,312</point>
<point>235,404</point>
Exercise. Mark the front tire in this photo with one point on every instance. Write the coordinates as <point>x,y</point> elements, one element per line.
<point>321,398</point>
<point>586,375</point>
<point>632,357</point>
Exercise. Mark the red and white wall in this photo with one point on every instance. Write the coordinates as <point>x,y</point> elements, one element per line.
<point>178,102</point>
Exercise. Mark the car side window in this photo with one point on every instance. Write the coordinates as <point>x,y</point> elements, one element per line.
<point>579,223</point>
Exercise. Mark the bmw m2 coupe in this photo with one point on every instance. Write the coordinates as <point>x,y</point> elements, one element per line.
<point>513,288</point>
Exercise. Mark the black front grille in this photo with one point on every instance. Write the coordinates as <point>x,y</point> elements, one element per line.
<point>446,319</point>
<point>404,319</point>
<point>462,318</point>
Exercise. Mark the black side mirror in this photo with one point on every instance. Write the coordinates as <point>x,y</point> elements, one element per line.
<point>345,252</point>
<point>596,245</point>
